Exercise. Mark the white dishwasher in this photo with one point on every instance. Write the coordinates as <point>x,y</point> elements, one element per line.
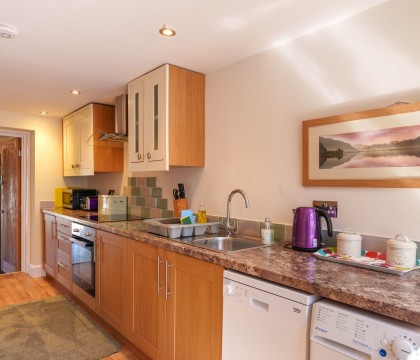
<point>263,320</point>
<point>342,332</point>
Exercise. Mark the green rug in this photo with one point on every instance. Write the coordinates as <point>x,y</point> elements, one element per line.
<point>52,328</point>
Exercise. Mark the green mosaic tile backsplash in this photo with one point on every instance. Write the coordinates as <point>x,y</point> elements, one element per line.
<point>145,198</point>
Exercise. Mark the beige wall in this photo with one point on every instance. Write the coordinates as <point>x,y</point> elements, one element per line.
<point>254,111</point>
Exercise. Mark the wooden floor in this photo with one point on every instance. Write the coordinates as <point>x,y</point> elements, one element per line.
<point>19,287</point>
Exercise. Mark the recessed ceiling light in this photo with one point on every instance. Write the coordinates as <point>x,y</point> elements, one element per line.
<point>75,92</point>
<point>8,32</point>
<point>43,113</point>
<point>165,31</point>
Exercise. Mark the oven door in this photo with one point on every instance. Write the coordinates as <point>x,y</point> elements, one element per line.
<point>83,264</point>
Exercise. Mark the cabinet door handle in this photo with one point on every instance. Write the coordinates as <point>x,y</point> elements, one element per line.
<point>159,261</point>
<point>64,266</point>
<point>72,166</point>
<point>97,249</point>
<point>167,293</point>
<point>53,224</point>
<point>77,165</point>
<point>149,155</point>
<point>138,156</point>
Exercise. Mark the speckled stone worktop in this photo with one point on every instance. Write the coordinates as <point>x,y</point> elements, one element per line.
<point>387,294</point>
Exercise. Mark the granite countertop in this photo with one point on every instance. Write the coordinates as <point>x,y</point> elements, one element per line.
<point>387,294</point>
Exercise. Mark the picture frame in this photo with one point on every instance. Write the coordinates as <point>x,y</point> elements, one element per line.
<point>374,148</point>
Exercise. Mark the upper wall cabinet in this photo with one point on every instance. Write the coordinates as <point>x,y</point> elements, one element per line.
<point>166,119</point>
<point>83,154</point>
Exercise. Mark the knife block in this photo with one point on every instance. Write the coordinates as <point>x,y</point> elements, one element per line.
<point>180,204</point>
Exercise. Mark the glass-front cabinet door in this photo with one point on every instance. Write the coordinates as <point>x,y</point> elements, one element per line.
<point>136,109</point>
<point>148,122</point>
<point>156,124</point>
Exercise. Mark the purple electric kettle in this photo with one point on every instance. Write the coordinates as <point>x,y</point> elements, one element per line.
<point>306,235</point>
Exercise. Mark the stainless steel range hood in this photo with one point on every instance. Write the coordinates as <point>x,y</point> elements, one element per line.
<point>121,121</point>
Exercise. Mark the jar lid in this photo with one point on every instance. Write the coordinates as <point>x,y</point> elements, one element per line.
<point>349,235</point>
<point>401,242</point>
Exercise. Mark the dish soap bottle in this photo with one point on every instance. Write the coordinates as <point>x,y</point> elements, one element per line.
<point>267,233</point>
<point>202,216</point>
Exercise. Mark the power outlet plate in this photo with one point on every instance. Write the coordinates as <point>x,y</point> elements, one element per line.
<point>331,207</point>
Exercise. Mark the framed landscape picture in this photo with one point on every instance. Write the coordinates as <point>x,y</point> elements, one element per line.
<point>375,148</point>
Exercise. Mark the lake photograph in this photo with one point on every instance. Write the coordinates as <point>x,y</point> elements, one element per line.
<point>392,147</point>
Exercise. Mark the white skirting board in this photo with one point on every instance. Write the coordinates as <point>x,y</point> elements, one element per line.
<point>35,271</point>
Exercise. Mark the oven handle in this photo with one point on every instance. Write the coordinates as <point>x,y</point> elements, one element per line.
<point>85,244</point>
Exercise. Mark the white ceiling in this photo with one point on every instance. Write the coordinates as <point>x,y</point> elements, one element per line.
<point>97,46</point>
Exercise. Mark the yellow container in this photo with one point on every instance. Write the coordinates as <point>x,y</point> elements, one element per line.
<point>58,197</point>
<point>202,215</point>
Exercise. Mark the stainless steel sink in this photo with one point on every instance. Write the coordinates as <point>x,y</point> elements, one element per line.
<point>227,244</point>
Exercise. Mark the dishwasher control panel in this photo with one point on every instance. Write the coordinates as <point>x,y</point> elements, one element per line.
<point>357,330</point>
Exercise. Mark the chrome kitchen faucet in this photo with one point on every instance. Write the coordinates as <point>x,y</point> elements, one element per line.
<point>227,226</point>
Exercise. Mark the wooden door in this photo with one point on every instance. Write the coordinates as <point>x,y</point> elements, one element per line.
<point>111,278</point>
<point>194,309</point>
<point>145,323</point>
<point>10,205</point>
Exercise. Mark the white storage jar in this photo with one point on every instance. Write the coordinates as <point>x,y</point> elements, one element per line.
<point>349,243</point>
<point>401,252</point>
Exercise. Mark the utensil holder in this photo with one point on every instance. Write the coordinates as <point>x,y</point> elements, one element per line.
<point>180,204</point>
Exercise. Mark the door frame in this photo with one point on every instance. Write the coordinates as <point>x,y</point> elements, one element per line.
<point>25,136</point>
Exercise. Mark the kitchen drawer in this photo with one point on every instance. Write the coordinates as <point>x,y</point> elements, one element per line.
<point>64,256</point>
<point>64,274</point>
<point>64,243</point>
<point>63,225</point>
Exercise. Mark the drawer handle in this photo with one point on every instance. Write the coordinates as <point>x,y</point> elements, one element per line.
<point>64,266</point>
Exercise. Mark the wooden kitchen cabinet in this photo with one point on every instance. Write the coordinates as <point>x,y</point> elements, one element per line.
<point>50,244</point>
<point>175,304</point>
<point>111,278</point>
<point>145,321</point>
<point>194,309</point>
<point>83,154</point>
<point>166,119</point>
<point>64,254</point>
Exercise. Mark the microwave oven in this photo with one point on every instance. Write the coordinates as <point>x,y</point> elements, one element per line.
<point>71,197</point>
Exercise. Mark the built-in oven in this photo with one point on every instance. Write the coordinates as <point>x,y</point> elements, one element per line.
<point>83,258</point>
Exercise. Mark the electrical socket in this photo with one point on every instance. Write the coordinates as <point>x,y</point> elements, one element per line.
<point>331,207</point>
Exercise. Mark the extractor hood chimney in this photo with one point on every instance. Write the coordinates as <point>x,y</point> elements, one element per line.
<point>121,121</point>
